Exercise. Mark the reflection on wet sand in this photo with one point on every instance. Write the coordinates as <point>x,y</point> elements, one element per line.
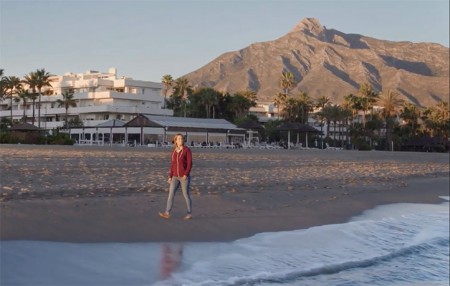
<point>170,258</point>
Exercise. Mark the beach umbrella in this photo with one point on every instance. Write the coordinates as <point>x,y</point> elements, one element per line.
<point>24,127</point>
<point>249,124</point>
<point>297,127</point>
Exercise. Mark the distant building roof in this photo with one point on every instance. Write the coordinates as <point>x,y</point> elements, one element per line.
<point>112,123</point>
<point>24,127</point>
<point>182,123</point>
<point>250,124</point>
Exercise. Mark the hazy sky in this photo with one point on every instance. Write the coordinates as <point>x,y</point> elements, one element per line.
<point>147,39</point>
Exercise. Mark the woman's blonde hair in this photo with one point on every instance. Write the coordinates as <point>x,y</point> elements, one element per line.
<point>175,140</point>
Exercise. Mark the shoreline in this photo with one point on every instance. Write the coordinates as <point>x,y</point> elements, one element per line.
<point>233,197</point>
<point>93,220</point>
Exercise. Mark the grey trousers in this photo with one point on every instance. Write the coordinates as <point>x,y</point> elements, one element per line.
<point>174,185</point>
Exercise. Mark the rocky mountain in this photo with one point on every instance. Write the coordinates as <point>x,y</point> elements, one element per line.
<point>332,63</point>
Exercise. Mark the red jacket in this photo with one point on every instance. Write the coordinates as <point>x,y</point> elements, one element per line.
<point>181,163</point>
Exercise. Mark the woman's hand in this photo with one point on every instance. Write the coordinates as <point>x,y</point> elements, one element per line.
<point>184,178</point>
<point>169,180</point>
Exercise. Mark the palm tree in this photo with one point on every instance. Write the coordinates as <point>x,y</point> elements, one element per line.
<point>67,101</point>
<point>391,107</point>
<point>42,80</point>
<point>390,103</point>
<point>437,120</point>
<point>336,115</point>
<point>207,97</point>
<point>346,114</point>
<point>280,102</point>
<point>2,85</point>
<point>444,119</point>
<point>23,96</point>
<point>291,110</point>
<point>287,80</point>
<point>327,114</point>
<point>322,101</point>
<point>353,103</point>
<point>340,114</point>
<point>168,82</point>
<point>305,104</point>
<point>31,80</point>
<point>183,89</point>
<point>13,85</point>
<point>411,114</point>
<point>368,97</point>
<point>250,95</point>
<point>443,110</point>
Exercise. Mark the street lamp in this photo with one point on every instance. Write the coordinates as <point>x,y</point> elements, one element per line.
<point>321,134</point>
<point>45,122</point>
<point>165,134</point>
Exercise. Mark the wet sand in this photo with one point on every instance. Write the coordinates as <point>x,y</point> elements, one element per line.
<point>114,194</point>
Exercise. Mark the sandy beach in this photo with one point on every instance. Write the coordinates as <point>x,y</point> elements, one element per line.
<point>114,194</point>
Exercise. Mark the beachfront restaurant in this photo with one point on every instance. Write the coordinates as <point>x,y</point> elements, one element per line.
<point>154,130</point>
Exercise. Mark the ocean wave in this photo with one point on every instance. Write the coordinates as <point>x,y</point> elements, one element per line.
<point>401,244</point>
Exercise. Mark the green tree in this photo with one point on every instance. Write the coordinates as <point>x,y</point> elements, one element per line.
<point>241,102</point>
<point>209,99</point>
<point>271,132</point>
<point>225,107</point>
<point>175,103</point>
<point>67,101</point>
<point>203,102</point>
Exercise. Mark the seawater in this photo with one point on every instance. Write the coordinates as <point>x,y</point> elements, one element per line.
<point>399,244</point>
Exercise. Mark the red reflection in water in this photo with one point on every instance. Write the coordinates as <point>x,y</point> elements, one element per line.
<point>170,258</point>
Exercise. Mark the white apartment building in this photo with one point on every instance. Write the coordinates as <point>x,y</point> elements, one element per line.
<point>265,111</point>
<point>99,97</point>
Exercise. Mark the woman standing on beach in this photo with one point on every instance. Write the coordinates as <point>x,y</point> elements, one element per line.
<point>180,168</point>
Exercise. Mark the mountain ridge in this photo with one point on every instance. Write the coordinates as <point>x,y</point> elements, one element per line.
<point>331,63</point>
